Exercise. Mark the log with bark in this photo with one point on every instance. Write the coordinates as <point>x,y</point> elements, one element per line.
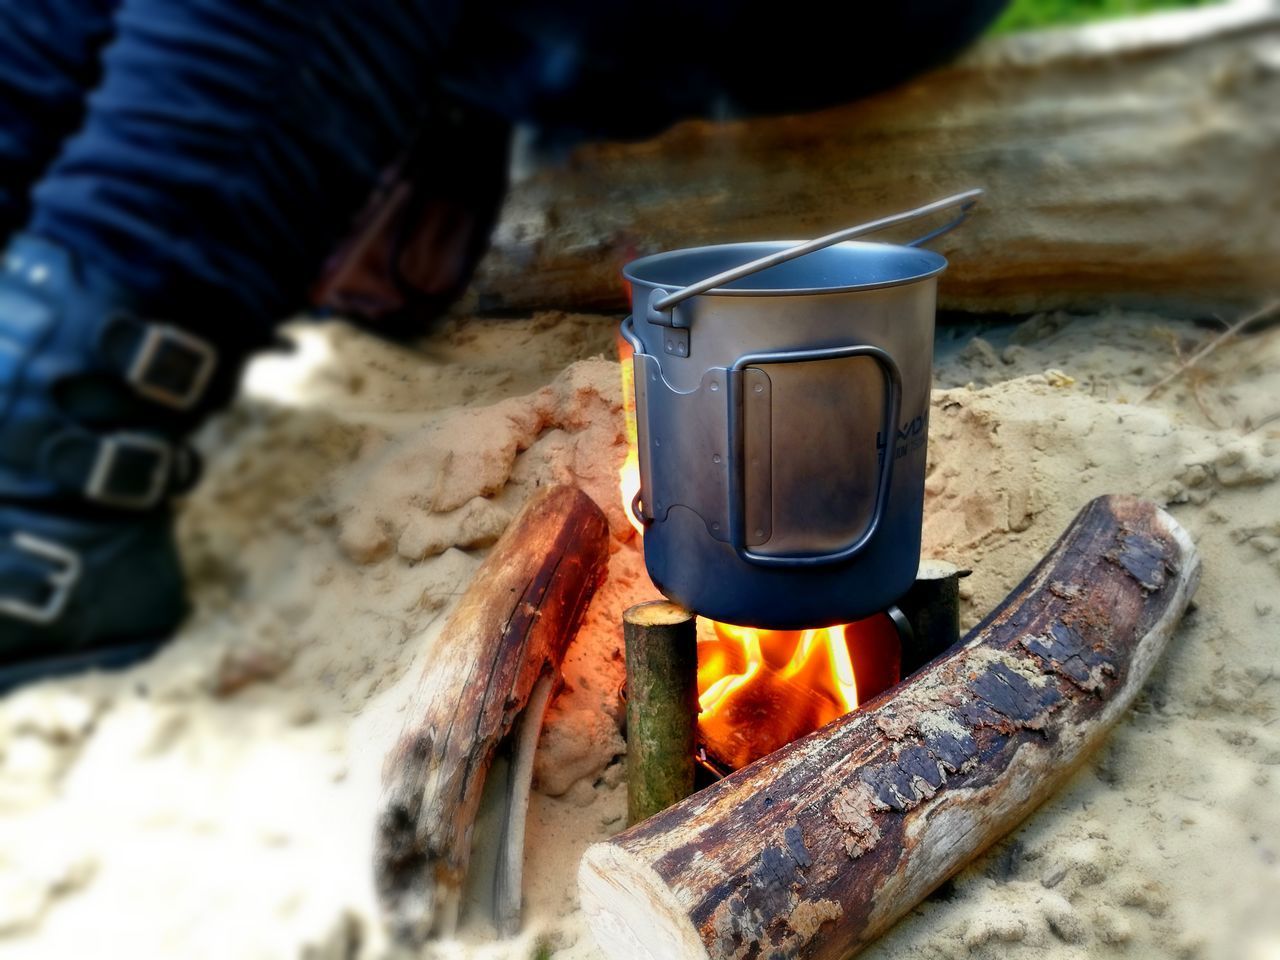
<point>662,705</point>
<point>1127,162</point>
<point>816,850</point>
<point>498,654</point>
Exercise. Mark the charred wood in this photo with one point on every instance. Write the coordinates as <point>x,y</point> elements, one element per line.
<point>932,611</point>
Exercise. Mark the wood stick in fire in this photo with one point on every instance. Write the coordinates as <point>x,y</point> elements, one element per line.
<point>932,608</point>
<point>662,705</point>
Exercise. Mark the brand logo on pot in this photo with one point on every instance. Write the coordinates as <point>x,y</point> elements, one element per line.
<point>760,689</point>
<point>912,435</point>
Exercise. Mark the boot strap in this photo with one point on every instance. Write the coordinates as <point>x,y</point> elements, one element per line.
<point>39,576</point>
<point>128,470</point>
<point>92,396</point>
<point>167,365</point>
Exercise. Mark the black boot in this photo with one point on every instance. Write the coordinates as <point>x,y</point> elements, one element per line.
<point>96,400</point>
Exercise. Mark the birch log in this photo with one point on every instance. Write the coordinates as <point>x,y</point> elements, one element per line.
<point>817,849</point>
<point>507,634</point>
<point>1126,162</point>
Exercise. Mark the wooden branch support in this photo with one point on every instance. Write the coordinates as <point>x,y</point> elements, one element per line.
<point>503,643</point>
<point>932,608</point>
<point>662,706</point>
<point>819,848</point>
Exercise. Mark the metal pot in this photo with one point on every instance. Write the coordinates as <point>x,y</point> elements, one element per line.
<point>782,401</point>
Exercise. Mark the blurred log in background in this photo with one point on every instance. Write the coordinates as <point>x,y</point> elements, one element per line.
<point>1128,163</point>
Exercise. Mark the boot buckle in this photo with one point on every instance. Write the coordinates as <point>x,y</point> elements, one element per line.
<point>62,580</point>
<point>172,367</point>
<point>103,485</point>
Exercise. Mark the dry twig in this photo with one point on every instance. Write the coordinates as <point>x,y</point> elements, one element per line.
<point>1195,377</point>
<point>1211,346</point>
<point>1265,421</point>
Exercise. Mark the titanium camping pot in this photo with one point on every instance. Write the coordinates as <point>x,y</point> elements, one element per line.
<point>782,402</point>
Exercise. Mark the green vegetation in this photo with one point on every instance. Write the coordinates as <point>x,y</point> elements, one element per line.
<point>1025,14</point>
<point>542,951</point>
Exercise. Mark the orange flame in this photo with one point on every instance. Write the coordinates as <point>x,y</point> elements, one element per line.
<point>629,472</point>
<point>760,689</point>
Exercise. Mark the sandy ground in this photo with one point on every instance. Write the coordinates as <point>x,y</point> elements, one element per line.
<point>218,801</point>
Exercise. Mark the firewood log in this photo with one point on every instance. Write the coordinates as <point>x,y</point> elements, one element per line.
<point>662,705</point>
<point>932,611</point>
<point>508,633</point>
<point>817,849</point>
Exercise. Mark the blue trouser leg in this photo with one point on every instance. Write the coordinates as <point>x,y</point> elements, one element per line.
<point>48,59</point>
<point>230,142</point>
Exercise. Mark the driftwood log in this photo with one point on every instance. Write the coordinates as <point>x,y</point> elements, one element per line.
<point>502,645</point>
<point>1127,162</point>
<point>819,848</point>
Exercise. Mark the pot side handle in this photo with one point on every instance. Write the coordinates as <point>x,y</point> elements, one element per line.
<point>737,445</point>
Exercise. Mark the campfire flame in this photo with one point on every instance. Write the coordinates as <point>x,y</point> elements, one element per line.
<point>816,655</point>
<point>760,689</point>
<point>629,472</point>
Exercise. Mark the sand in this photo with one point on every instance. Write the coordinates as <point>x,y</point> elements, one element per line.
<point>218,801</point>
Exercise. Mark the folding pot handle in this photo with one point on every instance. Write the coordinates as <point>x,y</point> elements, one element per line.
<point>737,446</point>
<point>662,301</point>
<point>638,513</point>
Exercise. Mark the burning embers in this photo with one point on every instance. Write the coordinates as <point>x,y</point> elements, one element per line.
<point>760,689</point>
